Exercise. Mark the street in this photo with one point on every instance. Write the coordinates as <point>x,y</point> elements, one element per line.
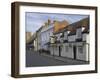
<point>34,59</point>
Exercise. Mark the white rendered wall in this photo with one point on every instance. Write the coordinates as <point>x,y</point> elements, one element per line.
<point>71,38</point>
<point>68,54</point>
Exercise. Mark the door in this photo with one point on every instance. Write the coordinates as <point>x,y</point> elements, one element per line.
<point>74,52</point>
<point>59,50</point>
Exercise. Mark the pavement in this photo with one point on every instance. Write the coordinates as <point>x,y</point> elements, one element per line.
<point>66,59</point>
<point>34,59</point>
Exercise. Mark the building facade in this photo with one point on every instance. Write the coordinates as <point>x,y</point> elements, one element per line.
<point>46,32</point>
<point>63,39</point>
<point>73,41</point>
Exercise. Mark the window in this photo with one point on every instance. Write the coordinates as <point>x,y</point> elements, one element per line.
<point>67,48</point>
<point>56,48</point>
<point>79,33</point>
<point>61,35</point>
<point>80,49</point>
<point>65,35</point>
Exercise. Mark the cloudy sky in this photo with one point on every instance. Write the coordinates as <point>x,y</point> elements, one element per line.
<point>35,20</point>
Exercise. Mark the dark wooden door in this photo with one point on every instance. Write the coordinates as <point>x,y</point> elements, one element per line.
<point>74,51</point>
<point>59,50</point>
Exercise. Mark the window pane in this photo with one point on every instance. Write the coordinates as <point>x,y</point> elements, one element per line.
<point>80,49</point>
<point>66,48</point>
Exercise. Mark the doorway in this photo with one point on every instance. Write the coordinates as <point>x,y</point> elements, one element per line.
<point>59,50</point>
<point>74,52</point>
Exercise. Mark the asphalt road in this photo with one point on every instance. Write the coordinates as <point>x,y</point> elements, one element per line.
<point>33,59</point>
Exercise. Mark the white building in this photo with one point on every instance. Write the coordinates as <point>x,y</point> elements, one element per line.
<point>73,41</point>
<point>45,36</point>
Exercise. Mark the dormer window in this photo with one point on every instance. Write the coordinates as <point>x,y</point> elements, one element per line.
<point>79,33</point>
<point>65,35</point>
<point>68,32</point>
<point>61,34</point>
<point>83,29</point>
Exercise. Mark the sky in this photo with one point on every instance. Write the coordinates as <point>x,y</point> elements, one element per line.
<point>34,20</point>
